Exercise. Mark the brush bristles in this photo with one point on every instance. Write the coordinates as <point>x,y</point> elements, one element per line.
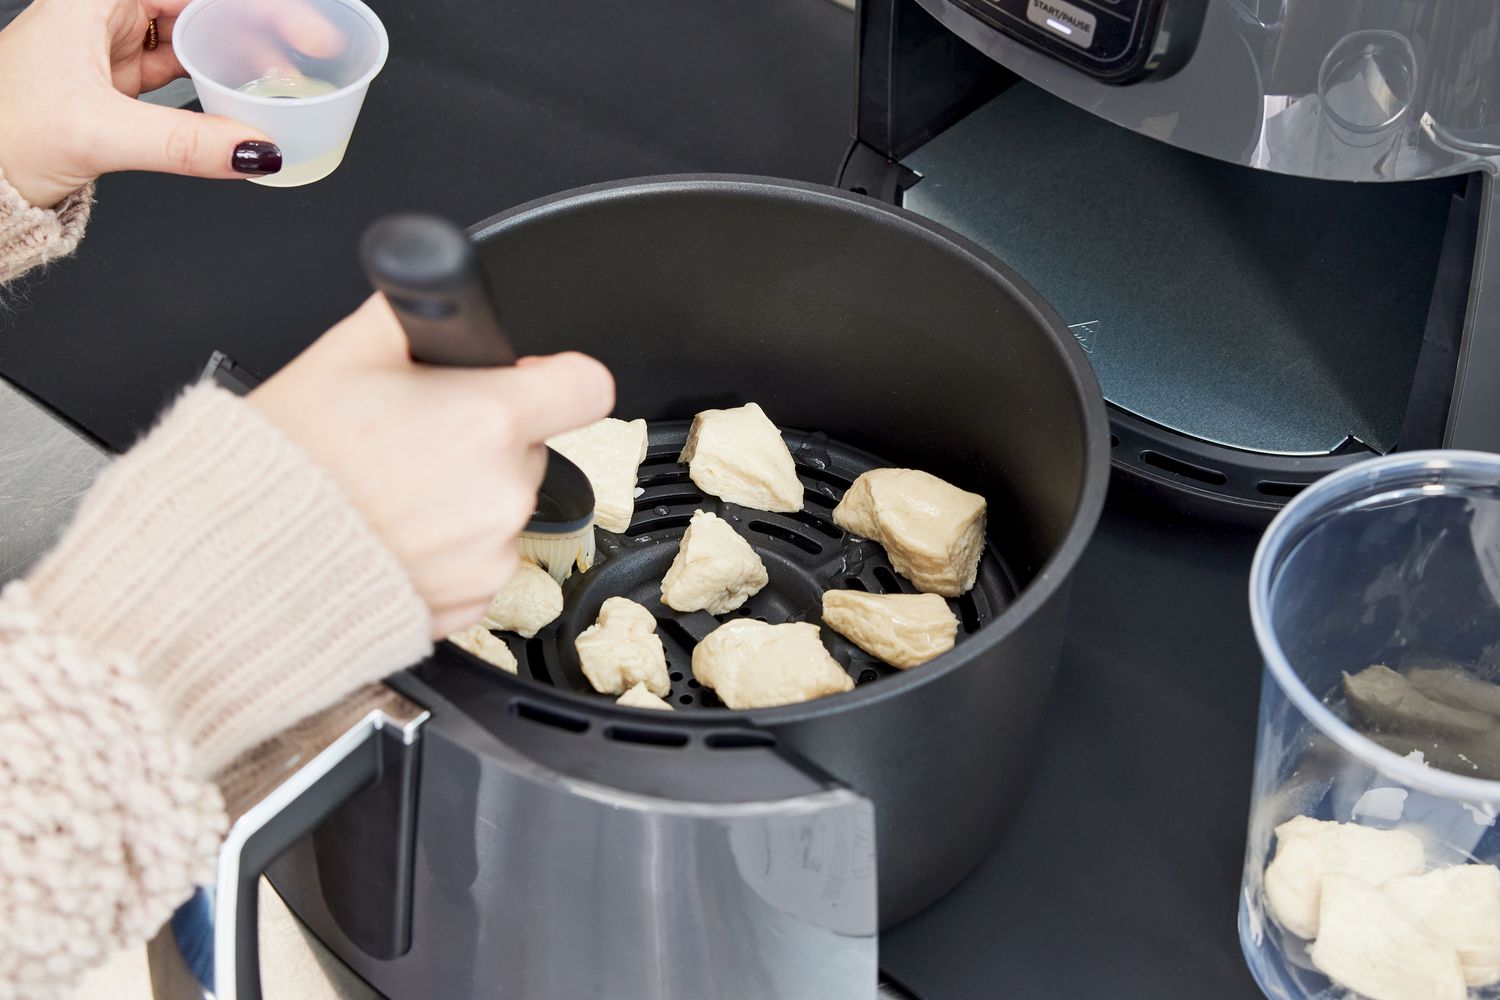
<point>558,554</point>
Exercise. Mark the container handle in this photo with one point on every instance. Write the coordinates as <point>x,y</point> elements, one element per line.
<point>339,753</point>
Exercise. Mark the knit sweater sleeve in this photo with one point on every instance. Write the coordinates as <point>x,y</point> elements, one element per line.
<point>214,588</point>
<point>30,236</point>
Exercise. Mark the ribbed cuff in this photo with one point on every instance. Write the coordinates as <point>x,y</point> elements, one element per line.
<point>237,576</point>
<point>30,236</point>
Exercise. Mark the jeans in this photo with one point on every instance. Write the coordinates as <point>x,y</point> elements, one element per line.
<point>193,929</point>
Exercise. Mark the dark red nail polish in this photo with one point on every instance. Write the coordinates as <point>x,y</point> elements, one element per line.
<point>256,157</point>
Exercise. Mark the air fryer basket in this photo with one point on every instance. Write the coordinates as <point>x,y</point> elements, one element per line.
<point>897,340</point>
<point>871,337</point>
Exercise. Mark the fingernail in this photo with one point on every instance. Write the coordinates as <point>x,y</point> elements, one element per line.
<point>256,157</point>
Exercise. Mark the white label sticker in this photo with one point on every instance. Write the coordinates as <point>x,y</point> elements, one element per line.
<point>1064,20</point>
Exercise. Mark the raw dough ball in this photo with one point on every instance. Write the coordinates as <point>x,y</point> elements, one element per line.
<point>1385,699</point>
<point>932,531</point>
<point>902,629</point>
<point>529,603</point>
<point>1457,688</point>
<point>639,697</point>
<point>476,639</point>
<point>738,455</point>
<point>1308,849</point>
<point>610,453</point>
<point>750,664</point>
<point>1461,905</point>
<point>1477,758</point>
<point>715,569</point>
<point>622,649</point>
<point>1367,945</point>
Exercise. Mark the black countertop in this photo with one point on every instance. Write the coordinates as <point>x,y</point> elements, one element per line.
<point>1121,877</point>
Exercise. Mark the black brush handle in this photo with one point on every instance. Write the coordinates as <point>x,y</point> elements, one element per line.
<point>429,273</point>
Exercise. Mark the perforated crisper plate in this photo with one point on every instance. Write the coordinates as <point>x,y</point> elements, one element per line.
<point>805,554</point>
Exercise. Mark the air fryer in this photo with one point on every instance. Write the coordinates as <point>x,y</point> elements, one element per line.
<point>477,834</point>
<point>1272,246</point>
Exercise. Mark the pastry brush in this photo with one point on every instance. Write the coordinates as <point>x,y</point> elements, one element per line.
<point>429,273</point>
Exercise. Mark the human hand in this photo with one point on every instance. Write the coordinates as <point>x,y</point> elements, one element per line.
<point>70,71</point>
<point>444,463</point>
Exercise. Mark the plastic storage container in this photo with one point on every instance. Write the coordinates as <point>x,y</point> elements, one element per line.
<point>1375,597</point>
<point>298,70</point>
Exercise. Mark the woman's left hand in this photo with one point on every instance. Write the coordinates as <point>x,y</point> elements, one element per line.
<point>70,71</point>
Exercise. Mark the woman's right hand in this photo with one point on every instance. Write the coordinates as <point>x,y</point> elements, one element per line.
<point>444,463</point>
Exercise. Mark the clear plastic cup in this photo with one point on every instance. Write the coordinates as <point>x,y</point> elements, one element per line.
<point>1375,597</point>
<point>297,70</point>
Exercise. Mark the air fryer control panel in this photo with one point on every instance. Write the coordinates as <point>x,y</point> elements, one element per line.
<point>1118,41</point>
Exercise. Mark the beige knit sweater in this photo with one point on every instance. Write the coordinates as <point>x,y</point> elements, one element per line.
<point>214,588</point>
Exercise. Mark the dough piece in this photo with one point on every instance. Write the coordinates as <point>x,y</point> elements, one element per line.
<point>610,453</point>
<point>622,649</point>
<point>1457,689</point>
<point>1308,849</point>
<point>639,697</point>
<point>1385,699</point>
<point>477,640</point>
<point>1474,758</point>
<point>1461,905</point>
<point>738,455</point>
<point>904,630</point>
<point>750,664</point>
<point>1367,945</point>
<point>715,569</point>
<point>932,531</point>
<point>529,603</point>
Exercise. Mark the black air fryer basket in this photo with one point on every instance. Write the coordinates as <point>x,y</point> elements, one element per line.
<point>871,337</point>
